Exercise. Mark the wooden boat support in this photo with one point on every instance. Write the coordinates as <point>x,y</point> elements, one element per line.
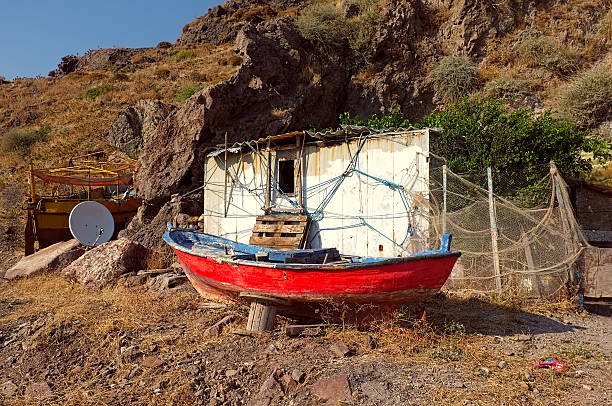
<point>262,313</point>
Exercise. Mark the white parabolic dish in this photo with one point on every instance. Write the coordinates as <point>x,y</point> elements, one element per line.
<point>91,223</point>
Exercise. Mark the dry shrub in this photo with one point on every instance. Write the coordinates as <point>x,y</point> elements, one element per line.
<point>20,141</point>
<point>505,87</point>
<point>323,24</point>
<point>164,45</point>
<point>588,98</point>
<point>291,11</point>
<point>454,76</point>
<point>543,51</point>
<point>604,27</point>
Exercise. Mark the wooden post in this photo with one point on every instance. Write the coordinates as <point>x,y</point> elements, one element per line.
<point>443,199</point>
<point>32,186</point>
<point>298,170</point>
<point>495,250</point>
<point>225,181</point>
<point>204,189</point>
<point>268,179</point>
<point>262,314</point>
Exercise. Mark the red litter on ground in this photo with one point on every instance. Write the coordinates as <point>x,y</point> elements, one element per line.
<point>550,363</point>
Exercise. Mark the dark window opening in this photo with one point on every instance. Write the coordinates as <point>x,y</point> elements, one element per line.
<point>286,176</point>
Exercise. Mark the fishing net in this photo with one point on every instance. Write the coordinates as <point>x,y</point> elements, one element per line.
<point>506,248</point>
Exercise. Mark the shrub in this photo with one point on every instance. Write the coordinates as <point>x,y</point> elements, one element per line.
<point>326,26</point>
<point>395,119</point>
<point>20,141</point>
<point>97,91</point>
<point>478,133</point>
<point>604,27</point>
<point>323,24</point>
<point>291,11</point>
<point>454,76</point>
<point>505,87</point>
<point>588,98</point>
<point>182,54</point>
<point>184,93</point>
<point>546,52</point>
<point>164,45</point>
<point>161,72</point>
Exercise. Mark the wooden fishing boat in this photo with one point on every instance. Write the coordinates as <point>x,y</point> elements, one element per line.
<point>310,282</point>
<point>106,180</point>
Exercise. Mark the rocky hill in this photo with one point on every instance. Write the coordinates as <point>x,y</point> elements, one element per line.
<point>252,68</point>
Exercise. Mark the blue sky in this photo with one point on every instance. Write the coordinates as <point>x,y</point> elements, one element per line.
<point>35,34</point>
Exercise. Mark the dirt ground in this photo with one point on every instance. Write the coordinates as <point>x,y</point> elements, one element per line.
<point>61,344</point>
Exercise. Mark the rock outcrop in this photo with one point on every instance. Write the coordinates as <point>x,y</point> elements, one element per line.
<point>264,97</point>
<point>103,265</point>
<point>223,22</point>
<point>136,124</point>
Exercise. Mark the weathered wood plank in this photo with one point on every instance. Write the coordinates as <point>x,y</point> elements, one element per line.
<point>278,228</point>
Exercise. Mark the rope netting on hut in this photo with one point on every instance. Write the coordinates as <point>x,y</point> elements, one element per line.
<point>506,248</point>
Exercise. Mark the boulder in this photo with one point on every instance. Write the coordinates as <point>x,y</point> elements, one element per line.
<point>104,265</point>
<point>52,258</point>
<point>333,390</point>
<point>135,124</point>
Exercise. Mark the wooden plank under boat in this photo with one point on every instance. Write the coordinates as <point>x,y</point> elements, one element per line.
<point>352,287</point>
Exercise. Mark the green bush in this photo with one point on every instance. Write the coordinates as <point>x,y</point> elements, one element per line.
<point>184,93</point>
<point>547,52</point>
<point>182,55</point>
<point>478,133</point>
<point>588,98</point>
<point>97,91</point>
<point>454,76</point>
<point>395,119</point>
<point>20,141</point>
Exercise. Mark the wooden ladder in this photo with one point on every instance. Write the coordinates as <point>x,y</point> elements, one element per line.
<point>281,232</point>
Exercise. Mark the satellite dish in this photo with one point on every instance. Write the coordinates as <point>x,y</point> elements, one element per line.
<point>91,223</point>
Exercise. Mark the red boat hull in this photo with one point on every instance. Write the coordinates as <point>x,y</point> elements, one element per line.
<point>365,292</point>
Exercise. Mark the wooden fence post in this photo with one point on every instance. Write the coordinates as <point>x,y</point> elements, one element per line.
<point>495,250</point>
<point>443,199</point>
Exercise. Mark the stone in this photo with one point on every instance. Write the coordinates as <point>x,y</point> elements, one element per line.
<point>288,383</point>
<point>8,388</point>
<point>38,391</point>
<point>130,354</point>
<point>579,373</point>
<point>298,375</point>
<point>135,280</point>
<point>502,364</point>
<point>52,258</point>
<point>216,329</point>
<point>104,265</point>
<point>152,362</point>
<point>334,390</point>
<point>370,343</point>
<point>166,282</point>
<point>587,387</point>
<point>135,124</point>
<point>340,349</point>
<point>523,337</point>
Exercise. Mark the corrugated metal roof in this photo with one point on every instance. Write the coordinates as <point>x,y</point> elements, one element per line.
<point>345,132</point>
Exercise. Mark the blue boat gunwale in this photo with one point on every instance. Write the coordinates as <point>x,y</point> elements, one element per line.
<point>213,247</point>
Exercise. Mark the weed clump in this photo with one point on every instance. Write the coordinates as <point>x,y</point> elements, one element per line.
<point>454,76</point>
<point>544,51</point>
<point>505,87</point>
<point>182,55</point>
<point>327,26</point>
<point>97,91</point>
<point>588,98</point>
<point>185,93</point>
<point>604,27</point>
<point>20,141</point>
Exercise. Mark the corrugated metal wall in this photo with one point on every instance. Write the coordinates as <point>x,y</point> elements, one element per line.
<point>364,217</point>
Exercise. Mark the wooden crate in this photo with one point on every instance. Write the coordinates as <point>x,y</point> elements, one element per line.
<point>281,232</point>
